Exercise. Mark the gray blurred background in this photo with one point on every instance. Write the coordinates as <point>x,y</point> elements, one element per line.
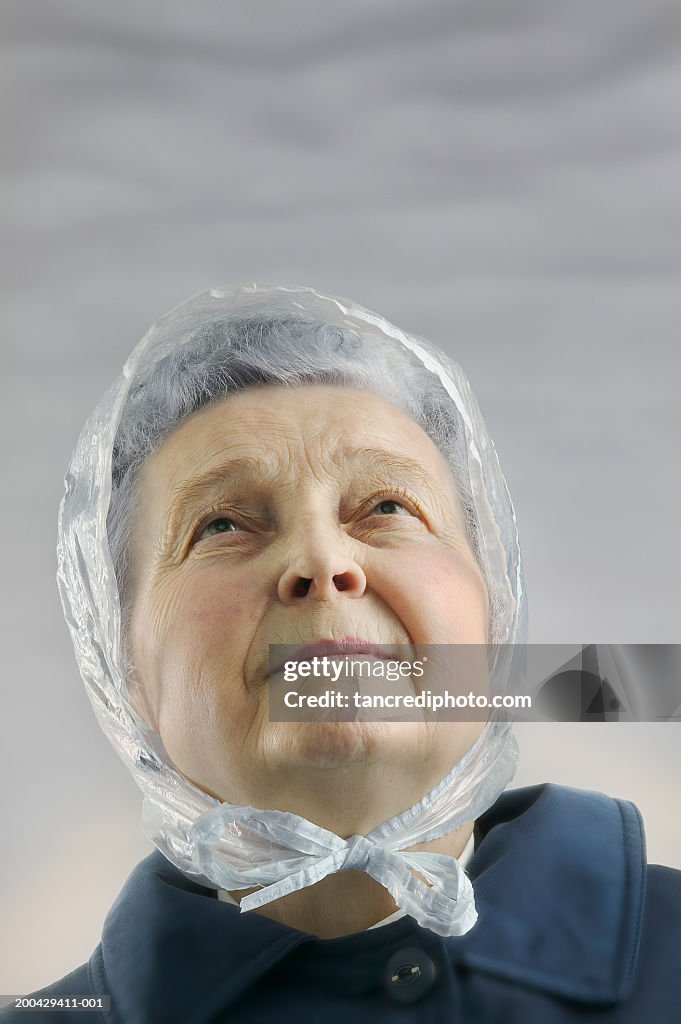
<point>500,177</point>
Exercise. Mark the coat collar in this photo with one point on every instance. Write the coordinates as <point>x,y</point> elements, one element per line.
<point>559,880</point>
<point>559,876</point>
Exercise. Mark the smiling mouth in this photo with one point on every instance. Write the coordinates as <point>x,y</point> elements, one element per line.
<point>338,649</point>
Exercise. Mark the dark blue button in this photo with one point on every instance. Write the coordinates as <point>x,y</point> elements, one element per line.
<point>409,975</point>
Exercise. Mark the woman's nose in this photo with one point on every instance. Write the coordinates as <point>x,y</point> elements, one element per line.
<point>320,566</point>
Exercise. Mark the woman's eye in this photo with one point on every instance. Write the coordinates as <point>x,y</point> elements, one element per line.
<point>222,524</point>
<point>389,507</point>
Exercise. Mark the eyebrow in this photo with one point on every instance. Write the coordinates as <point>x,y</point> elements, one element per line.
<point>380,458</point>
<point>237,472</point>
<point>250,469</point>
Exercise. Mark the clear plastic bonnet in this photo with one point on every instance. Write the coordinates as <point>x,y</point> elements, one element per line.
<point>227,847</point>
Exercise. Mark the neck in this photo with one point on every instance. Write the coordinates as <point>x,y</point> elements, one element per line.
<point>348,901</point>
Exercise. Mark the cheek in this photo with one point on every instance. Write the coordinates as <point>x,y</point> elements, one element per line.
<point>192,635</point>
<point>458,598</point>
<point>437,592</point>
<point>217,612</point>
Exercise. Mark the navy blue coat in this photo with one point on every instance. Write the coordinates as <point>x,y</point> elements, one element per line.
<point>572,927</point>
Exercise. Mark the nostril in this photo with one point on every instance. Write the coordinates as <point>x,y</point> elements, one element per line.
<point>302,585</point>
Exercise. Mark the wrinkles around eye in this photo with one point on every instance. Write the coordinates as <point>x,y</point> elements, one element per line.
<point>383,508</point>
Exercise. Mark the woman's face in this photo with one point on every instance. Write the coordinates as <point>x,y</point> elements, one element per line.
<point>243,502</point>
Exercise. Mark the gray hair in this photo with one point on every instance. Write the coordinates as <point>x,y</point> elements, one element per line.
<point>228,355</point>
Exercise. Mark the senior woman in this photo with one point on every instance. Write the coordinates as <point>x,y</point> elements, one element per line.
<point>276,467</point>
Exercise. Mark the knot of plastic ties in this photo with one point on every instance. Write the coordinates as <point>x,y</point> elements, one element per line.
<point>432,888</point>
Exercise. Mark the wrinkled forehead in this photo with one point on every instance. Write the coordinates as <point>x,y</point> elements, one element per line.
<point>267,418</point>
<point>270,434</point>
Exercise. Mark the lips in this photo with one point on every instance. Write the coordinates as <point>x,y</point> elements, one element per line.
<point>338,648</point>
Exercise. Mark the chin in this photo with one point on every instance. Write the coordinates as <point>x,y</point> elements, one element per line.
<point>332,744</point>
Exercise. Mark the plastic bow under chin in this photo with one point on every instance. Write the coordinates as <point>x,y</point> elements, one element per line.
<point>305,853</point>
